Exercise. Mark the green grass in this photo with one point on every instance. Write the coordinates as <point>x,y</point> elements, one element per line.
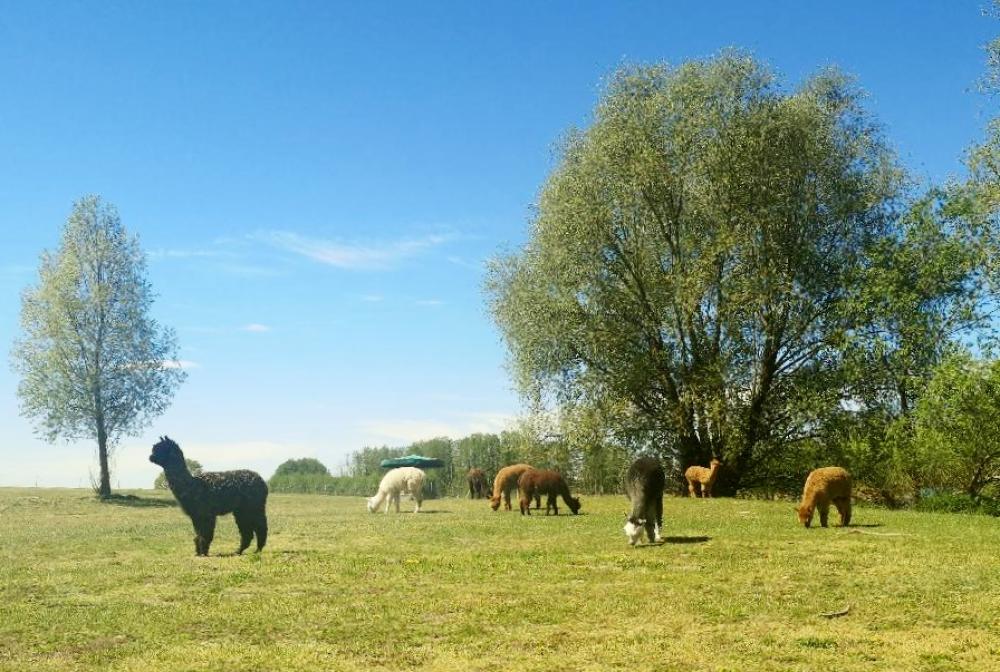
<point>92,586</point>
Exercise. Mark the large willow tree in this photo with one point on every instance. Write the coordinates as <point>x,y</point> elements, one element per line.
<point>94,364</point>
<point>692,258</point>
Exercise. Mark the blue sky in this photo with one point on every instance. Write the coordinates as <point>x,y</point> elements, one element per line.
<point>318,185</point>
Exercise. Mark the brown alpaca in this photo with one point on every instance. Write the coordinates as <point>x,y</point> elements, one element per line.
<point>825,485</point>
<point>536,482</point>
<point>477,483</point>
<point>704,477</point>
<point>504,484</point>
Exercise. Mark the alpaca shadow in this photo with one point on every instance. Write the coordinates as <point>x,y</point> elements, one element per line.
<point>422,512</point>
<point>686,540</point>
<point>231,554</point>
<point>864,525</point>
<point>138,502</point>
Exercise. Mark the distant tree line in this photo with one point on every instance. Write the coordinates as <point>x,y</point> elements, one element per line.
<point>593,469</point>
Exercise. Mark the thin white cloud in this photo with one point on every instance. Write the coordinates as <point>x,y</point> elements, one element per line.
<point>407,430</point>
<point>353,256</point>
<point>429,302</point>
<point>255,328</point>
<point>372,298</point>
<point>471,265</point>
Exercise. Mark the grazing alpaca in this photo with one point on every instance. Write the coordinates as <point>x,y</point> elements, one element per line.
<point>505,483</point>
<point>644,483</point>
<point>477,483</point>
<point>536,482</point>
<point>825,485</point>
<point>704,477</point>
<point>409,480</point>
<point>215,493</point>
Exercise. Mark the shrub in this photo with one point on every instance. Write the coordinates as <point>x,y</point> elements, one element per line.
<point>305,465</point>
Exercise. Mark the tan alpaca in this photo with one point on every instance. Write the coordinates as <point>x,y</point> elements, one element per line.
<point>825,485</point>
<point>505,483</point>
<point>704,477</point>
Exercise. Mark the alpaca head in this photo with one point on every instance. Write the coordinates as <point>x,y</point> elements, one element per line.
<point>573,504</point>
<point>633,529</point>
<point>714,464</point>
<point>495,502</point>
<point>166,452</point>
<point>805,514</point>
<point>372,506</point>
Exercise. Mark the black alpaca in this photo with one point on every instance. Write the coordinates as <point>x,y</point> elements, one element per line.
<point>644,483</point>
<point>216,493</point>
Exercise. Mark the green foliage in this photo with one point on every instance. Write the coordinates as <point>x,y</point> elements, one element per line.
<point>93,363</point>
<point>951,502</point>
<point>687,269</point>
<point>194,466</point>
<point>957,439</point>
<point>305,465</point>
<point>927,286</point>
<point>324,484</point>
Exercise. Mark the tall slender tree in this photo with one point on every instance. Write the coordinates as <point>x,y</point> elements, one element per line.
<point>93,363</point>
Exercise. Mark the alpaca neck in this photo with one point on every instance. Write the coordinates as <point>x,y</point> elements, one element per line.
<point>178,476</point>
<point>378,499</point>
<point>713,472</point>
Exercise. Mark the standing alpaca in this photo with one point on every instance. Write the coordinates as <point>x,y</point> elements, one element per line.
<point>536,482</point>
<point>215,493</point>
<point>644,483</point>
<point>704,477</point>
<point>408,480</point>
<point>505,483</point>
<point>477,483</point>
<point>825,485</point>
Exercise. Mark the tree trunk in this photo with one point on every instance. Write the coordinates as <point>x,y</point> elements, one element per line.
<point>102,457</point>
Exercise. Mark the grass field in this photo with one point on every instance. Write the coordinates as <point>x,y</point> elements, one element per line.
<point>738,586</point>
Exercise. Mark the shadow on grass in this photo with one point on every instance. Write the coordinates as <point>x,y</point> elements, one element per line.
<point>137,502</point>
<point>686,540</point>
<point>865,525</point>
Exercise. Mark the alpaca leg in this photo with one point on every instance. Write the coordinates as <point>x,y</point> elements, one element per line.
<point>706,489</point>
<point>244,522</point>
<point>658,521</point>
<point>506,501</point>
<point>824,513</point>
<point>691,490</point>
<point>419,496</point>
<point>551,503</point>
<point>205,530</point>
<point>538,501</point>
<point>525,506</point>
<point>844,509</point>
<point>260,529</point>
<point>395,498</point>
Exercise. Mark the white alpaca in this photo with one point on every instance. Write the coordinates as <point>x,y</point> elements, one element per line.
<point>409,480</point>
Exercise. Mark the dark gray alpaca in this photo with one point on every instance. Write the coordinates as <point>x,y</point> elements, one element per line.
<point>216,493</point>
<point>644,483</point>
